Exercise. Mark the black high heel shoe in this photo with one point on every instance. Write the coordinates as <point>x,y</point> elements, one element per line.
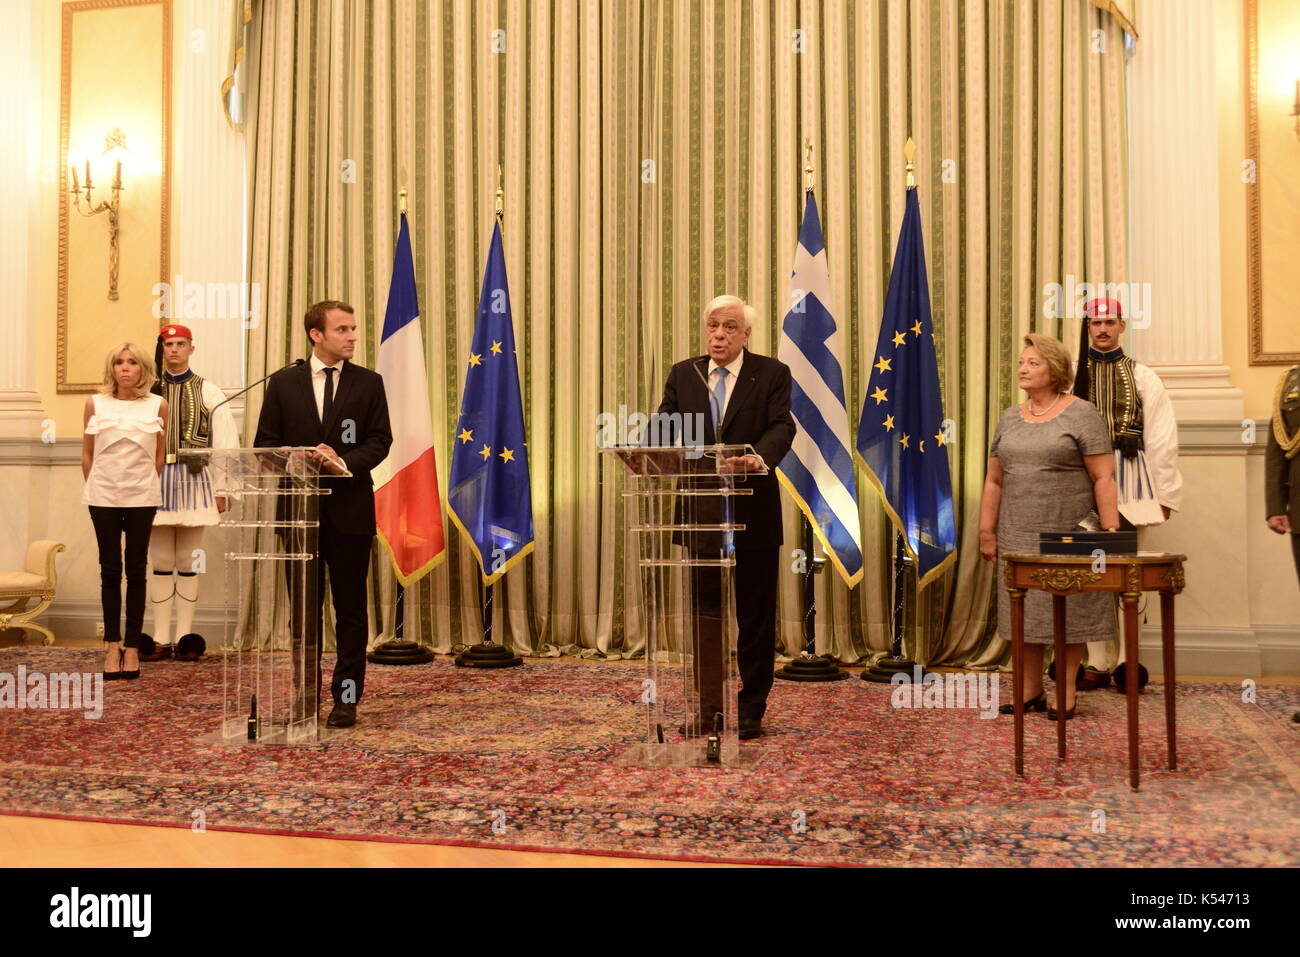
<point>1036,703</point>
<point>1052,712</point>
<point>114,675</point>
<point>130,675</point>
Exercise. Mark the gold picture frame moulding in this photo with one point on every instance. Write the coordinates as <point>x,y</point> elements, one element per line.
<point>63,386</point>
<point>1254,228</point>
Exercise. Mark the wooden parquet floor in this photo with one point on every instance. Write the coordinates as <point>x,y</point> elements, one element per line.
<point>43,842</point>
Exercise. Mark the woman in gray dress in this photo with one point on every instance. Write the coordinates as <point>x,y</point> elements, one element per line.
<point>1050,465</point>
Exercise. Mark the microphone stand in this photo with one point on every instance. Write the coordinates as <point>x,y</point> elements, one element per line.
<point>292,365</point>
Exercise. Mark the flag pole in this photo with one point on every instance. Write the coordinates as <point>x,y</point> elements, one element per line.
<point>487,653</point>
<point>397,650</point>
<point>890,665</point>
<point>809,666</point>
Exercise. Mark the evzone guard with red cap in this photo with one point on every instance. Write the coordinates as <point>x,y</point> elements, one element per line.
<point>188,502</point>
<point>1136,408</point>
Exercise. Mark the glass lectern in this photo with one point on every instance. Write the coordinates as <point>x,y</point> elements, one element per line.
<point>268,551</point>
<point>681,504</point>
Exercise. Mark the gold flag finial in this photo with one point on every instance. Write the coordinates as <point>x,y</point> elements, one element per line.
<point>401,201</point>
<point>501,194</point>
<point>807,166</point>
<point>909,151</point>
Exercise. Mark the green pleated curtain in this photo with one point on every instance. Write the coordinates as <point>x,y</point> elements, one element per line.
<point>651,159</point>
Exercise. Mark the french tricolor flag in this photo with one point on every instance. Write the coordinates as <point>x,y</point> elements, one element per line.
<point>408,509</point>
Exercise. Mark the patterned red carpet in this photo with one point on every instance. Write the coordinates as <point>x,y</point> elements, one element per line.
<point>523,758</point>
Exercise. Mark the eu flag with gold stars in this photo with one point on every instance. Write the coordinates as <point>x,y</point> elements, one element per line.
<point>902,438</point>
<point>489,498</point>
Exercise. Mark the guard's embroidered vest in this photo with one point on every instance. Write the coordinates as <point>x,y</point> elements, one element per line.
<point>189,424</point>
<point>1113,390</point>
<point>1287,388</point>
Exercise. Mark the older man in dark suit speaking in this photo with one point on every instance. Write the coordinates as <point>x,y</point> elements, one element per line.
<point>750,395</point>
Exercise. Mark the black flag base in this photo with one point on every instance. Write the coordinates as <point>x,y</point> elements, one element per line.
<point>884,670</point>
<point>488,654</point>
<point>399,653</point>
<point>812,668</point>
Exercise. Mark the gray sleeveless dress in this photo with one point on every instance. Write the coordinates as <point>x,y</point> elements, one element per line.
<point>1046,488</point>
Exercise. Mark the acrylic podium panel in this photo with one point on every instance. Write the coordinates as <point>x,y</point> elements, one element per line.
<point>266,548</point>
<point>681,523</point>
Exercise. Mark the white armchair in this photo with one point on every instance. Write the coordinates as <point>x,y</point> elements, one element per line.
<point>35,584</point>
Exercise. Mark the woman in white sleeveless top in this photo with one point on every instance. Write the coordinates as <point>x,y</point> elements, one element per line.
<point>121,458</point>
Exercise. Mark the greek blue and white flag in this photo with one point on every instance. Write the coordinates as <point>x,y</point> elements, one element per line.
<point>818,471</point>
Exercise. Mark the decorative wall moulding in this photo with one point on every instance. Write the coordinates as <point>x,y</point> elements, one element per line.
<point>115,101</point>
<point>1259,176</point>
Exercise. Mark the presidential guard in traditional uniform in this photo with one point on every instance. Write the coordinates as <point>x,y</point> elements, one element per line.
<point>1282,463</point>
<point>1136,408</point>
<point>197,419</point>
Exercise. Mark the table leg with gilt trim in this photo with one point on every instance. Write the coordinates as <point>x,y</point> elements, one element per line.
<point>1018,672</point>
<point>1058,651</point>
<point>1167,643</point>
<point>1130,600</point>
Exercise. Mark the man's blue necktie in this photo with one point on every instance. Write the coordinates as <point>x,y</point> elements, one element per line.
<point>720,397</point>
<point>720,403</point>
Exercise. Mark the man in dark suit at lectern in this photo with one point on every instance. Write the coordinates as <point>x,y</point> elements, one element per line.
<point>340,410</point>
<point>750,394</point>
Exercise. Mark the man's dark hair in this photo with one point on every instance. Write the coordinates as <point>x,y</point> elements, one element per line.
<point>315,318</point>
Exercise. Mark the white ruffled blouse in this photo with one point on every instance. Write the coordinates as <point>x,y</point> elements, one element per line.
<point>123,474</point>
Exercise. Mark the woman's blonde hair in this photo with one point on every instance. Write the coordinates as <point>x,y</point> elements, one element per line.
<point>147,374</point>
<point>1059,366</point>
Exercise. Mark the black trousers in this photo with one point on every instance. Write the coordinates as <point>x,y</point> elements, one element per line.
<point>755,577</point>
<point>348,559</point>
<point>110,525</point>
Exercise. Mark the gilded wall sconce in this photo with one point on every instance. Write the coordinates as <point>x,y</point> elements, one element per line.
<point>114,145</point>
<point>1295,110</point>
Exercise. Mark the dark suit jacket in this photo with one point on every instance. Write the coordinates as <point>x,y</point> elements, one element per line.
<point>758,415</point>
<point>289,417</point>
<point>1282,475</point>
